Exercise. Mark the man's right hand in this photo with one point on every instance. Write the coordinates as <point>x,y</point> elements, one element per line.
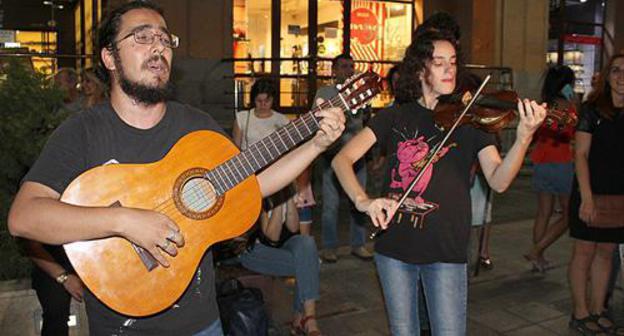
<point>152,231</point>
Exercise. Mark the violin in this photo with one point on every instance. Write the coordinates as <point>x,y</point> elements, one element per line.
<point>491,111</point>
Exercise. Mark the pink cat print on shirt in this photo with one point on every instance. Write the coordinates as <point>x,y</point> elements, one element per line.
<point>412,154</point>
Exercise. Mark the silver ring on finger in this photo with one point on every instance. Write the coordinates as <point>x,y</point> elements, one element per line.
<point>171,235</point>
<point>166,244</point>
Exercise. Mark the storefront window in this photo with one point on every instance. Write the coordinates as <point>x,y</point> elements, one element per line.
<point>295,50</point>
<point>377,35</point>
<point>92,12</point>
<point>576,35</point>
<point>252,35</point>
<point>380,31</point>
<point>330,32</point>
<point>39,42</point>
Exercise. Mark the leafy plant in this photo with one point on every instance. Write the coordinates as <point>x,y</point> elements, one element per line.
<point>30,109</point>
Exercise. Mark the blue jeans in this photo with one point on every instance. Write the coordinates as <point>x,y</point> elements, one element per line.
<point>298,256</point>
<point>331,199</point>
<point>215,329</point>
<point>445,287</point>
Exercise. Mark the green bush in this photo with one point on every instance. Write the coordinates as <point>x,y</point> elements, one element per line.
<point>30,109</point>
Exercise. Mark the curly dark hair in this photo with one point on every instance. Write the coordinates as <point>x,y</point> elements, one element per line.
<point>109,29</point>
<point>417,55</point>
<point>262,85</point>
<point>556,78</point>
<point>439,21</point>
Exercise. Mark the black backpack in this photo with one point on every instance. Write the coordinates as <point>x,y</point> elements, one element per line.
<point>242,309</point>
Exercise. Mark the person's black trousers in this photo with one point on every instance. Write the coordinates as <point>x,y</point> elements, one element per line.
<point>55,302</point>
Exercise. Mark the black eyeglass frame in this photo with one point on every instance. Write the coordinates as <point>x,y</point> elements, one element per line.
<point>173,44</point>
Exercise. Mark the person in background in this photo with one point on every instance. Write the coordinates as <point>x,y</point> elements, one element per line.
<point>481,195</point>
<point>481,200</point>
<point>261,120</point>
<point>67,80</point>
<point>599,163</point>
<point>55,283</point>
<point>392,79</point>
<point>304,200</point>
<point>92,88</point>
<point>342,69</point>
<point>277,248</point>
<point>553,167</point>
<point>53,278</point>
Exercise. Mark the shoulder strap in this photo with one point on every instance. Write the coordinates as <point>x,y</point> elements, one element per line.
<point>246,140</point>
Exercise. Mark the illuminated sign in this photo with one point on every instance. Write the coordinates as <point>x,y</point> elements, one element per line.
<point>364,25</point>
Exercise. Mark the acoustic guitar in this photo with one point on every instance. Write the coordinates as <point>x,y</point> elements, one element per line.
<point>205,185</point>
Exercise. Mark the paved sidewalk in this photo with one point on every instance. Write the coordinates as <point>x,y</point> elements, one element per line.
<point>509,300</point>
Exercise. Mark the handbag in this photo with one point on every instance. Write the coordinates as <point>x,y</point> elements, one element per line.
<point>241,309</point>
<point>609,212</point>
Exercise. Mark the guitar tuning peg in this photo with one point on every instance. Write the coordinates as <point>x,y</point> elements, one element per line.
<point>339,86</point>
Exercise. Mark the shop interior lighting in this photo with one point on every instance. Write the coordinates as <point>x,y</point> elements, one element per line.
<point>52,4</point>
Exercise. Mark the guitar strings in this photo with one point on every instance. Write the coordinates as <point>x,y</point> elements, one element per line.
<point>166,206</point>
<point>169,208</point>
<point>199,192</point>
<point>201,201</point>
<point>194,189</point>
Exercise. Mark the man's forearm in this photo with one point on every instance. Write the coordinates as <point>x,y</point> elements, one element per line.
<point>54,222</point>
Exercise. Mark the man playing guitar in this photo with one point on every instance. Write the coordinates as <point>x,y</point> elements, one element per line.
<point>138,125</point>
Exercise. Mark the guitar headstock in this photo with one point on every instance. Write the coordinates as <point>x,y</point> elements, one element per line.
<point>359,89</point>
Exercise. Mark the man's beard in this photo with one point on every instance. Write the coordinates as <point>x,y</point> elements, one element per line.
<point>141,93</point>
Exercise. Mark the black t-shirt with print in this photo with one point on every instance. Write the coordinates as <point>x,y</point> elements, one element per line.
<point>97,136</point>
<point>434,222</point>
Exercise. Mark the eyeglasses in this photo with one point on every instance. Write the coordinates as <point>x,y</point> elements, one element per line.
<point>147,36</point>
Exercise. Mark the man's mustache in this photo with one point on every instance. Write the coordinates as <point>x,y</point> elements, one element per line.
<point>156,58</point>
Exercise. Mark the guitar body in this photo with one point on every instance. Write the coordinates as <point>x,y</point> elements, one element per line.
<point>204,185</point>
<point>113,269</point>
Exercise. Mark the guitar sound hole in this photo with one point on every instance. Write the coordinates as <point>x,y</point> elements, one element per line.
<point>198,195</point>
<point>194,195</point>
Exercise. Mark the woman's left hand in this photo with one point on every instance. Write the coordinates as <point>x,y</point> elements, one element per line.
<point>531,115</point>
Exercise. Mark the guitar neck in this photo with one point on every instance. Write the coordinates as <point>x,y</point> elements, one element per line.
<point>262,153</point>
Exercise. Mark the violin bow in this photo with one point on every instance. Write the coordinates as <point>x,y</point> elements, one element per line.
<point>435,152</point>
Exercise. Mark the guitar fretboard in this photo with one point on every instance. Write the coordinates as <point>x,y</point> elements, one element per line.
<point>262,153</point>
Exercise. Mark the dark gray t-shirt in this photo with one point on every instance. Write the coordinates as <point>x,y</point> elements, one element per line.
<point>353,124</point>
<point>97,136</point>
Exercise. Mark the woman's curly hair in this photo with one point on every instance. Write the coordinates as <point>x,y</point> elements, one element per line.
<point>417,56</point>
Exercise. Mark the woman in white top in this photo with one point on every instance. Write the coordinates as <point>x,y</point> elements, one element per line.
<point>261,120</point>
<point>282,251</point>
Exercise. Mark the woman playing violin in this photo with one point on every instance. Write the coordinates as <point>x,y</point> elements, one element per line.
<point>428,237</point>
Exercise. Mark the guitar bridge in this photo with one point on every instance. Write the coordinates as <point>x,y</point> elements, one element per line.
<point>147,259</point>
